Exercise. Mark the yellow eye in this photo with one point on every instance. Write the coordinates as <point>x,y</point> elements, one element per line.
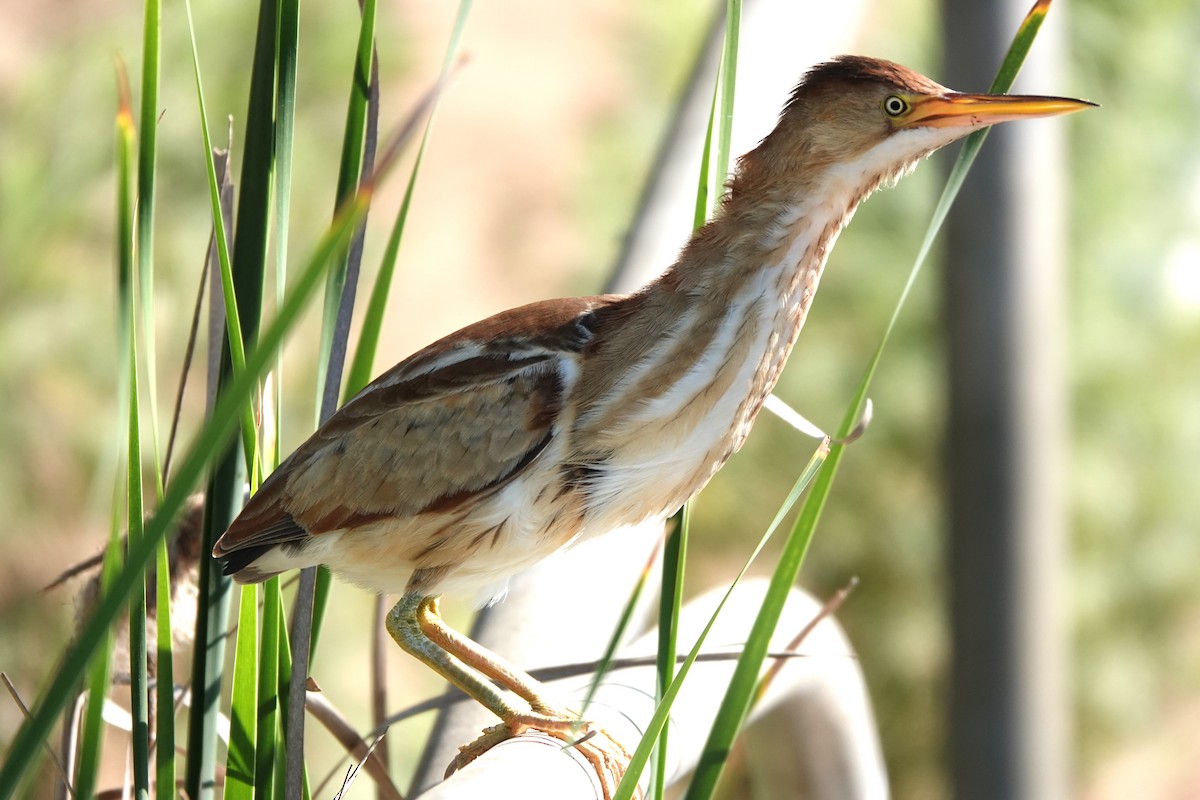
<point>894,105</point>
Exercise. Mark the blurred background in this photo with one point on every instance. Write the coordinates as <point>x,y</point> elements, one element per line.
<point>541,147</point>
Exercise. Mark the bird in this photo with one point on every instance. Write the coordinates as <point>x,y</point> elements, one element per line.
<point>558,421</point>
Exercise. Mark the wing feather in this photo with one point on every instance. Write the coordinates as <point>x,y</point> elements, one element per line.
<point>459,419</point>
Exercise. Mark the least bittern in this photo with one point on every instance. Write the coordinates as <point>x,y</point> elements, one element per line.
<point>558,421</point>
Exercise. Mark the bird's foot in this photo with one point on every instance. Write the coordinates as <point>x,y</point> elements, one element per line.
<point>469,752</point>
<point>607,756</point>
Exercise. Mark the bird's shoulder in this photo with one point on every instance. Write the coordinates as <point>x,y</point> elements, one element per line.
<point>459,418</point>
<point>487,350</point>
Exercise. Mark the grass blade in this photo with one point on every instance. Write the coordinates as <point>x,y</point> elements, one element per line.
<point>728,83</point>
<point>212,438</point>
<point>138,646</point>
<point>92,735</point>
<point>138,678</point>
<point>329,364</point>
<point>242,287</point>
<point>658,721</point>
<point>284,667</point>
<point>670,603</point>
<point>1009,67</point>
<point>254,214</point>
<point>740,694</point>
<point>221,158</point>
<point>131,279</point>
<point>736,704</point>
<point>212,604</point>
<point>234,326</point>
<point>704,191</point>
<point>711,180</point>
<point>361,367</point>
<point>287,46</point>
<point>254,208</point>
<point>146,171</point>
<point>274,644</point>
<point>273,636</point>
<point>164,676</point>
<point>358,155</point>
<point>241,762</point>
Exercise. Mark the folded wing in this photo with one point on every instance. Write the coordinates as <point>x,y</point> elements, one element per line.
<point>455,421</point>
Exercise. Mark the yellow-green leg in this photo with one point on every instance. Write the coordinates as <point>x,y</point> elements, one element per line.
<point>415,625</point>
<point>478,657</point>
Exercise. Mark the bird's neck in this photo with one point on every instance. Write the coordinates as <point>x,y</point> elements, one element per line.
<point>759,261</point>
<point>681,369</point>
<point>774,230</point>
<point>704,344</point>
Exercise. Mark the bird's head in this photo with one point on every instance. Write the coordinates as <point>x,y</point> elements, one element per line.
<point>876,119</point>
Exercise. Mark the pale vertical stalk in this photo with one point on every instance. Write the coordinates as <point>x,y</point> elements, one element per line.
<point>358,155</point>
<point>273,635</point>
<point>364,355</point>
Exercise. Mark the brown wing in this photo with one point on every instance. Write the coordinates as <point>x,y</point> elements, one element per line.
<point>459,418</point>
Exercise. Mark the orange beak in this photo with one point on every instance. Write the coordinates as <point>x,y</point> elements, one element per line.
<point>955,110</point>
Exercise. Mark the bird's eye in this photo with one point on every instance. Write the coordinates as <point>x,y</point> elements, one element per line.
<point>894,105</point>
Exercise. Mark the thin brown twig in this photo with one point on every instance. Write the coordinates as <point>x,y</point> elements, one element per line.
<point>72,571</point>
<point>828,609</point>
<point>336,723</point>
<point>16,696</point>
<point>560,671</point>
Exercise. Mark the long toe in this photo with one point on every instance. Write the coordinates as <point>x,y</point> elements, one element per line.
<point>469,752</point>
<point>564,725</point>
<point>608,757</point>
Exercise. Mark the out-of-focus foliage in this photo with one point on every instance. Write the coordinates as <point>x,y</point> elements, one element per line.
<point>1135,323</point>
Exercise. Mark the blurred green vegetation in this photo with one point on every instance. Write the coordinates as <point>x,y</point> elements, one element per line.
<point>1134,330</point>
